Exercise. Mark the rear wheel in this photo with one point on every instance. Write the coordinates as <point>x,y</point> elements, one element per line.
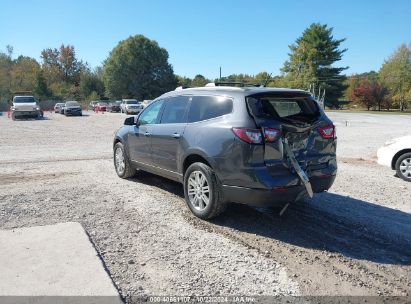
<point>403,167</point>
<point>202,191</point>
<point>122,162</point>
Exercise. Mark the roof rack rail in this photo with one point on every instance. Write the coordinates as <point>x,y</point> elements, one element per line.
<point>232,84</point>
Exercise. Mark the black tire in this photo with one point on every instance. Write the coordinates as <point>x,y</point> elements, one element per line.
<point>128,170</point>
<point>216,205</point>
<point>405,174</point>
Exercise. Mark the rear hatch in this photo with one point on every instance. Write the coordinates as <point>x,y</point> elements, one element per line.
<point>295,116</point>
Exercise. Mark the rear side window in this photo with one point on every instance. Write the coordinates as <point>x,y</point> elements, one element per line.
<point>206,107</point>
<point>287,107</point>
<point>175,110</point>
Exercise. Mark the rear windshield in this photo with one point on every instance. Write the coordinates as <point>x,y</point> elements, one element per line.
<point>72,104</point>
<point>285,107</point>
<point>24,99</point>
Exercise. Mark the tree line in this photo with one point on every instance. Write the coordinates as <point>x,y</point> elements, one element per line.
<point>138,68</point>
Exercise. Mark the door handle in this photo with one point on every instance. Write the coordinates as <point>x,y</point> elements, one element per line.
<point>175,135</point>
<point>147,133</point>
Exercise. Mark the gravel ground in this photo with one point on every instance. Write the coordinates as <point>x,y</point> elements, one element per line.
<point>353,240</point>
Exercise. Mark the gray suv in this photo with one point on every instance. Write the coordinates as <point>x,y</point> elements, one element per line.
<point>252,145</point>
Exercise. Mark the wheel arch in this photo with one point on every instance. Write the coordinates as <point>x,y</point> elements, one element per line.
<point>194,157</point>
<point>397,156</point>
<point>117,140</point>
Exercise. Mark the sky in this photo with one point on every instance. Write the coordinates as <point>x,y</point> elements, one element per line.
<point>200,36</point>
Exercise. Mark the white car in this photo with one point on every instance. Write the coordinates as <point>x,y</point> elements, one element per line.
<point>131,106</point>
<point>396,154</point>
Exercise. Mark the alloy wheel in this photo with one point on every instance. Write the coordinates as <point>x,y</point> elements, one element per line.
<point>119,160</point>
<point>198,190</point>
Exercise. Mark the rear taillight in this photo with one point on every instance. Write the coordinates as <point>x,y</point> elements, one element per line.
<point>327,131</point>
<point>251,136</point>
<point>271,135</point>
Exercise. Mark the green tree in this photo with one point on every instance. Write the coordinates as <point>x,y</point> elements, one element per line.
<point>62,65</point>
<point>89,83</point>
<point>183,81</point>
<point>137,67</point>
<point>199,81</point>
<point>40,88</point>
<point>311,62</point>
<point>93,96</point>
<point>6,64</point>
<point>23,73</point>
<point>395,73</point>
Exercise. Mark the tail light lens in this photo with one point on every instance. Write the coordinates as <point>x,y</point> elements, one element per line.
<point>251,136</point>
<point>271,135</point>
<point>327,131</point>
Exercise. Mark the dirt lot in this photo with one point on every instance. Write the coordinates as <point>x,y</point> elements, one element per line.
<point>353,240</point>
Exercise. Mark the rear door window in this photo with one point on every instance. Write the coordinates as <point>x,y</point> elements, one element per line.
<point>207,107</point>
<point>175,110</point>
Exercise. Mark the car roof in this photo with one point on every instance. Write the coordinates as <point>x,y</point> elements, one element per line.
<point>229,90</point>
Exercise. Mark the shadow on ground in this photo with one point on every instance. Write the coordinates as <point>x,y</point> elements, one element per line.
<point>330,222</point>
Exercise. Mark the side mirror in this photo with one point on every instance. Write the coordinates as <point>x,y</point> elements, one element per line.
<point>129,121</point>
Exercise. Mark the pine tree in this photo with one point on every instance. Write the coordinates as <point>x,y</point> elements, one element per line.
<point>311,62</point>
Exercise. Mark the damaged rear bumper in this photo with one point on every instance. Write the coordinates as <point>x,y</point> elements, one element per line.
<point>276,196</point>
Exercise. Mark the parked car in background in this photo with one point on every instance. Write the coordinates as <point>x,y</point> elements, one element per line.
<point>72,108</point>
<point>101,106</point>
<point>114,106</point>
<point>131,106</point>
<point>396,154</point>
<point>251,145</point>
<point>25,107</point>
<point>57,107</point>
<point>146,102</point>
<point>61,109</point>
<point>92,105</point>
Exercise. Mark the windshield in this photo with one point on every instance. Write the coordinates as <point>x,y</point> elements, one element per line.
<point>24,99</point>
<point>131,102</point>
<point>72,104</point>
<point>102,104</point>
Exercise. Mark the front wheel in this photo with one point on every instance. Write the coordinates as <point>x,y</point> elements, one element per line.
<point>202,191</point>
<point>403,167</point>
<point>122,162</point>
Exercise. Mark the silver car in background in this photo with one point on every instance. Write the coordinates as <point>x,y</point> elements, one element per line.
<point>25,106</point>
<point>131,106</point>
